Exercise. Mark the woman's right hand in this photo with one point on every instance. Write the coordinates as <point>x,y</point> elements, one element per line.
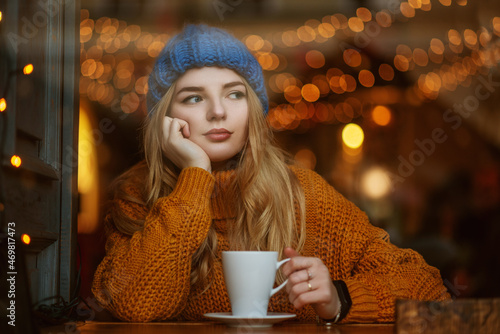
<point>179,149</point>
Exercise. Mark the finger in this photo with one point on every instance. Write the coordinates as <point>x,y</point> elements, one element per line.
<point>313,293</point>
<point>290,252</point>
<point>297,295</point>
<point>167,121</point>
<point>314,297</point>
<point>298,263</point>
<point>185,128</point>
<point>179,128</point>
<point>298,277</point>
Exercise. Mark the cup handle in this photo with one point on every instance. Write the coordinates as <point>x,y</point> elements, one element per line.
<point>278,265</point>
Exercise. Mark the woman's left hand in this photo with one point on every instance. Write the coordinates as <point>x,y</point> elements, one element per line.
<point>309,282</point>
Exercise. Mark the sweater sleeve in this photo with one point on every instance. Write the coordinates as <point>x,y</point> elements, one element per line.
<point>146,276</point>
<point>375,271</point>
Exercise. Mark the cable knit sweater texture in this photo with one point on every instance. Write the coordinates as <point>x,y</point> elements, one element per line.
<point>146,276</point>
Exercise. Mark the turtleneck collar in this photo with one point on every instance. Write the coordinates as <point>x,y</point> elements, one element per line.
<point>222,207</point>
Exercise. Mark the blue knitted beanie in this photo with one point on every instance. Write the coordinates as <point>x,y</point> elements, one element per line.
<point>198,46</point>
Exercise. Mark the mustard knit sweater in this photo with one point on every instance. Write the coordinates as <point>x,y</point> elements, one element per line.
<point>146,276</point>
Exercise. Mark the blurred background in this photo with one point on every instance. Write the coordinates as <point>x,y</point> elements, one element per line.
<point>395,103</point>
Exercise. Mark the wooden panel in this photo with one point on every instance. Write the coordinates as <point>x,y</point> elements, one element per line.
<point>69,144</point>
<point>481,316</point>
<point>41,127</point>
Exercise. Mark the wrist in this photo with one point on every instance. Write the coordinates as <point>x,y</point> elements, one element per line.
<point>344,304</point>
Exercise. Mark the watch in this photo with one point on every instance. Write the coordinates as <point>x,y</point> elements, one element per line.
<point>345,304</point>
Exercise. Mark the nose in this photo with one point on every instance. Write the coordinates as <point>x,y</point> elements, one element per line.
<point>216,110</point>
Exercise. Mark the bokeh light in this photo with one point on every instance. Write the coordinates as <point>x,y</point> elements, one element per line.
<point>375,183</point>
<point>306,158</point>
<point>310,92</point>
<point>386,72</point>
<point>315,59</point>
<point>356,24</point>
<point>383,18</point>
<point>26,238</point>
<point>352,57</point>
<point>381,115</point>
<point>420,57</point>
<point>15,161</point>
<point>407,10</point>
<point>364,14</point>
<point>28,69</point>
<point>366,78</point>
<point>3,104</point>
<point>306,34</point>
<point>353,136</point>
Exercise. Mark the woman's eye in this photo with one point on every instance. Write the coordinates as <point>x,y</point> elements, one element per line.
<point>192,99</point>
<point>236,95</point>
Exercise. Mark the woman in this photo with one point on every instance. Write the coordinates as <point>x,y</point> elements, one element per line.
<point>212,180</point>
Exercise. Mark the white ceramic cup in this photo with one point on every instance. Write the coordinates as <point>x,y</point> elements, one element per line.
<point>249,278</point>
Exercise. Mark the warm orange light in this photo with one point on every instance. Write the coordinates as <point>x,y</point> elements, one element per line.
<point>356,24</point>
<point>470,37</point>
<point>417,4</point>
<point>420,57</point>
<point>254,42</point>
<point>454,37</point>
<point>310,92</point>
<point>381,115</point>
<point>401,63</point>
<point>306,34</point>
<point>15,161</point>
<point>407,10</point>
<point>26,239</point>
<point>3,104</point>
<point>366,78</point>
<point>306,157</point>
<point>386,72</point>
<point>347,83</point>
<point>326,30</point>
<point>292,94</point>
<point>496,25</point>
<point>1,15</point>
<point>315,59</point>
<point>352,57</point>
<point>28,69</point>
<point>383,18</point>
<point>364,14</point>
<point>437,46</point>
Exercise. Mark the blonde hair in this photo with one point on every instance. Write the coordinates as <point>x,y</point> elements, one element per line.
<point>267,217</point>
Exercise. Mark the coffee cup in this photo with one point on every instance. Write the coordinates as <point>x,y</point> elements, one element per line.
<point>249,278</point>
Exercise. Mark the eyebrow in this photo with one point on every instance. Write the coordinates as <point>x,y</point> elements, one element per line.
<point>200,89</point>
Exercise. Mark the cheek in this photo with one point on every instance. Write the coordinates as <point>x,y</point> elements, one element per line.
<point>185,116</point>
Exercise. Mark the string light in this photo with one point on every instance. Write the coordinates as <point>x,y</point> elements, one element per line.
<point>28,69</point>
<point>26,239</point>
<point>15,160</point>
<point>103,79</point>
<point>3,104</point>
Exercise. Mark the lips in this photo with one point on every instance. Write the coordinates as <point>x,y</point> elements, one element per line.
<point>218,134</point>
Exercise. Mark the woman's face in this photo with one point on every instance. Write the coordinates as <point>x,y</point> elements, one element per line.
<point>213,101</point>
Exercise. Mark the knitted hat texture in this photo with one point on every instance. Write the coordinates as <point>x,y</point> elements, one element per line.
<point>199,46</point>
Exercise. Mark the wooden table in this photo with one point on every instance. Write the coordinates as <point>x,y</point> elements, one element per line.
<point>213,328</point>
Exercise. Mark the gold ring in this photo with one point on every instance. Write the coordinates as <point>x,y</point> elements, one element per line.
<point>309,286</point>
<point>309,274</point>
